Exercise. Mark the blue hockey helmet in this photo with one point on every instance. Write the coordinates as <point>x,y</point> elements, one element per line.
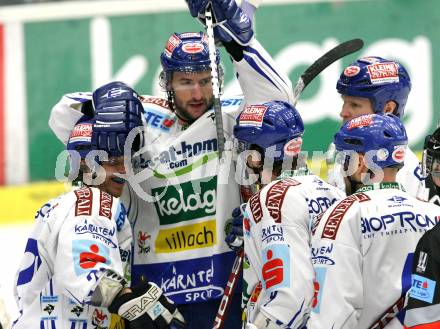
<point>378,79</point>
<point>187,52</point>
<point>274,123</point>
<point>384,134</point>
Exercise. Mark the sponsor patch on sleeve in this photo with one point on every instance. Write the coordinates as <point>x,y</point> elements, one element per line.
<point>276,267</point>
<point>320,273</point>
<point>422,288</point>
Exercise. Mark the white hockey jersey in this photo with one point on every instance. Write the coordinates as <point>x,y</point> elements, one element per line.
<point>277,247</point>
<point>75,238</point>
<point>362,254</point>
<point>184,198</point>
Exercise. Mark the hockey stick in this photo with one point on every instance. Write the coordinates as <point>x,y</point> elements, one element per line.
<point>338,52</point>
<point>219,320</point>
<point>389,314</point>
<point>309,74</point>
<point>215,82</point>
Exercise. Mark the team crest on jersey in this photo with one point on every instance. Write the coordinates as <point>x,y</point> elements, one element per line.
<point>100,319</point>
<point>383,72</point>
<point>143,242</point>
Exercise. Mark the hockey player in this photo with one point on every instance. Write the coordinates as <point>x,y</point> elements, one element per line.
<point>278,217</point>
<point>77,259</point>
<point>363,245</point>
<point>423,307</point>
<point>431,168</point>
<point>179,218</point>
<point>424,298</point>
<point>377,85</point>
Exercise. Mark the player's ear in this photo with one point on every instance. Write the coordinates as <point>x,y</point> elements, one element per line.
<point>389,108</point>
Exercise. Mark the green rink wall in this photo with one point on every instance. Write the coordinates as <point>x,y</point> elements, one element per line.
<point>63,54</point>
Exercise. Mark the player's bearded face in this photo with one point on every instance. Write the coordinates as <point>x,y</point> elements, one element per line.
<point>193,94</point>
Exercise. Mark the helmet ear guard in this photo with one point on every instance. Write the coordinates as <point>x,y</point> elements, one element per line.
<point>377,79</point>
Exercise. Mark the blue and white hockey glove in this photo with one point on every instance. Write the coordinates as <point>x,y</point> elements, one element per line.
<point>230,22</point>
<point>117,110</point>
<point>146,307</point>
<point>234,237</point>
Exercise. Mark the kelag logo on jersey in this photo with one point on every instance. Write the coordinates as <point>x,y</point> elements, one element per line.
<point>181,203</point>
<point>101,233</point>
<point>177,156</point>
<point>397,223</point>
<point>276,268</point>
<point>272,233</point>
<point>422,288</point>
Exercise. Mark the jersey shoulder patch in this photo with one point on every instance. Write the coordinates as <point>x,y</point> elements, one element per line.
<point>275,197</point>
<point>162,102</point>
<point>84,201</point>
<point>334,219</point>
<point>255,206</point>
<point>158,114</point>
